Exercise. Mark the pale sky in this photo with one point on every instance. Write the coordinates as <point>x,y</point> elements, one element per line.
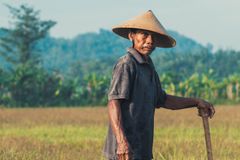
<point>206,21</point>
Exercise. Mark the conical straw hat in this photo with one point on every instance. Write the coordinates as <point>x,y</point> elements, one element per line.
<point>146,21</point>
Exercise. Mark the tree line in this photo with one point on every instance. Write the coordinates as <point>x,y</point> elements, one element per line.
<point>38,70</point>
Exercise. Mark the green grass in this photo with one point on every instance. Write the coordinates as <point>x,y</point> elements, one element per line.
<point>79,134</point>
<point>57,134</point>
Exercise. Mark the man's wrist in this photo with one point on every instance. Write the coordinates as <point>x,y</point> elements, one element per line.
<point>197,101</point>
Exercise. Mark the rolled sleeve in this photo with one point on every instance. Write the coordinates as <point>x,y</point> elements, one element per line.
<point>121,82</point>
<point>161,98</point>
<point>161,94</point>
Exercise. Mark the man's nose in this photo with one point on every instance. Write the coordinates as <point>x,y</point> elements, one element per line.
<point>150,39</point>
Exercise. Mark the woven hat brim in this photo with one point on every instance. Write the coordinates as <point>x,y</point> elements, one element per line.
<point>162,40</point>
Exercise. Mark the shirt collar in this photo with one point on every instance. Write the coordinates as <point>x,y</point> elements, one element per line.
<point>137,55</point>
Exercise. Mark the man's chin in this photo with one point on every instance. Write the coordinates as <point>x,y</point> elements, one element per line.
<point>148,52</point>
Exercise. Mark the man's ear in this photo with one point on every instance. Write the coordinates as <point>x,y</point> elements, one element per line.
<point>130,36</point>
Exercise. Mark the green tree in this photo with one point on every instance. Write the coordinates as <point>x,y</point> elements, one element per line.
<point>4,90</point>
<point>18,48</point>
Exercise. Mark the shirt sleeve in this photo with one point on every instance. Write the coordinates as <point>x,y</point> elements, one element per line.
<point>161,98</point>
<point>161,94</point>
<point>121,82</point>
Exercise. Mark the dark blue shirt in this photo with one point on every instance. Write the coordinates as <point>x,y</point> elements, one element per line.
<point>136,82</point>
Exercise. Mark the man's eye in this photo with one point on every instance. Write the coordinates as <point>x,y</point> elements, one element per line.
<point>145,34</point>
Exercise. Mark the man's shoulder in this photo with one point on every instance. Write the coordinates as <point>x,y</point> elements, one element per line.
<point>126,62</point>
<point>126,59</point>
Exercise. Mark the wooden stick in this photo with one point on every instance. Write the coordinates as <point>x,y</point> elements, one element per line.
<point>207,134</point>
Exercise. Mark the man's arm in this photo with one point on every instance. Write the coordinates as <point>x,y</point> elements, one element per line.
<point>174,102</point>
<point>115,117</point>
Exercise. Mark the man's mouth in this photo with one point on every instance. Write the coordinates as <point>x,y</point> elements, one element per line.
<point>148,48</point>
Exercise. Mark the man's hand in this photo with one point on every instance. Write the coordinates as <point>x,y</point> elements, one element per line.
<point>124,152</point>
<point>206,107</point>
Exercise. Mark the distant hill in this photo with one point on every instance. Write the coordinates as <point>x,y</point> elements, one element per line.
<point>105,43</point>
<point>99,45</point>
<point>98,51</point>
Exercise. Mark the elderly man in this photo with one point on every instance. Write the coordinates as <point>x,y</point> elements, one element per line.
<point>136,91</point>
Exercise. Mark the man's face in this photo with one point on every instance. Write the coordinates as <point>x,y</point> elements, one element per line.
<point>143,41</point>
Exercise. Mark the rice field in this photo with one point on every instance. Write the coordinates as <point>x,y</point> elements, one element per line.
<point>79,134</point>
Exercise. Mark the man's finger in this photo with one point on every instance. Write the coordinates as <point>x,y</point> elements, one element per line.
<point>124,156</point>
<point>128,156</point>
<point>212,111</point>
<point>120,157</point>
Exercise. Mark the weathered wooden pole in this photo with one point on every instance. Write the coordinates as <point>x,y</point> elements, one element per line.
<point>207,133</point>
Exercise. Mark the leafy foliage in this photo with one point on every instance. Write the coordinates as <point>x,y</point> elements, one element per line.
<point>18,48</point>
<point>39,70</point>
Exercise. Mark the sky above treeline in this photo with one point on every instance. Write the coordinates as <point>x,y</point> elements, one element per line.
<point>206,21</point>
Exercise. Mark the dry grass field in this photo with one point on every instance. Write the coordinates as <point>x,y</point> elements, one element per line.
<point>79,134</point>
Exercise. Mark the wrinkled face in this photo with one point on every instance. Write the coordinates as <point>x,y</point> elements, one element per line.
<point>143,41</point>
